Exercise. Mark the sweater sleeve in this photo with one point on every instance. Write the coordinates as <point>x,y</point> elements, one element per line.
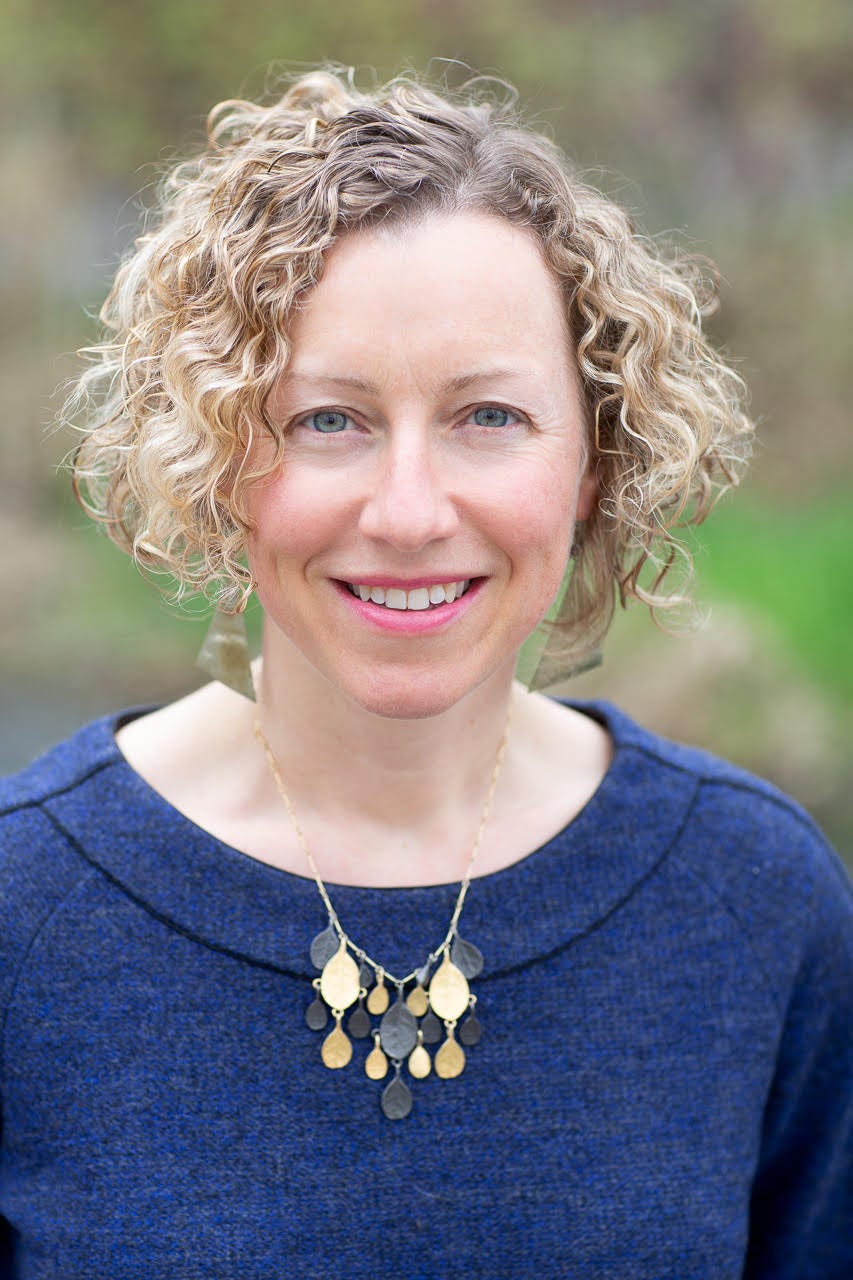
<point>36,872</point>
<point>802,1201</point>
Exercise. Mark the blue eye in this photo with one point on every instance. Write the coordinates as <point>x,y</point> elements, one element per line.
<point>491,416</point>
<point>327,421</point>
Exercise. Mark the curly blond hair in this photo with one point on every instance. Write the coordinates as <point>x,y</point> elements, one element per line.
<point>196,329</point>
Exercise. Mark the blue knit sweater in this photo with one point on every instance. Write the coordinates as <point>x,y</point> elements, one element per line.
<point>662,1090</point>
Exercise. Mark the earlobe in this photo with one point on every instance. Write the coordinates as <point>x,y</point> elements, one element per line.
<point>587,495</point>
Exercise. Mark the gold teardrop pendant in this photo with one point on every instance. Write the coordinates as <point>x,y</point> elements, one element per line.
<point>448,991</point>
<point>417,1001</point>
<point>420,1063</point>
<point>450,1059</point>
<point>376,1064</point>
<point>377,1001</point>
<point>339,981</point>
<point>337,1050</point>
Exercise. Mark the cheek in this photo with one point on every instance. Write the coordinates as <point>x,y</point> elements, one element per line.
<point>294,514</point>
<point>281,532</point>
<point>546,560</point>
<point>536,530</point>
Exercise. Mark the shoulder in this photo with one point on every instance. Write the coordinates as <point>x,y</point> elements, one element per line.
<point>728,800</point>
<point>753,852</point>
<point>39,865</point>
<point>61,768</point>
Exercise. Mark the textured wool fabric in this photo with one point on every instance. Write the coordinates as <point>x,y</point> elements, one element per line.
<point>662,1090</point>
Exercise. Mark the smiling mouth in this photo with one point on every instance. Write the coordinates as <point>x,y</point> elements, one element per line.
<point>418,599</point>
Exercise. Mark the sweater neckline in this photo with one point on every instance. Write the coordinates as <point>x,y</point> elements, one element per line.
<point>216,895</point>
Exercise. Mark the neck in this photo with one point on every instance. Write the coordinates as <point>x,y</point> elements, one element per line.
<point>375,788</point>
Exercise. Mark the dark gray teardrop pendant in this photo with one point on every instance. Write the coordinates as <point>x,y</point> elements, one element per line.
<point>398,1030</point>
<point>432,1028</point>
<point>366,976</point>
<point>467,958</point>
<point>396,1099</point>
<point>317,1015</point>
<point>359,1022</point>
<point>324,947</point>
<point>470,1031</point>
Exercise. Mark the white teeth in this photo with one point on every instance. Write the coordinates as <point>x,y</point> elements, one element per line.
<point>417,599</point>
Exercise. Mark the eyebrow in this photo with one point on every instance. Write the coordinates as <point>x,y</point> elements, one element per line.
<point>460,383</point>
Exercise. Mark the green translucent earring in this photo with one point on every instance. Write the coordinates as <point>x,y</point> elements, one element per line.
<point>225,652</point>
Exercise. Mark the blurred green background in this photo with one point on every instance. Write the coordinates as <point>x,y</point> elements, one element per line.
<point>725,124</point>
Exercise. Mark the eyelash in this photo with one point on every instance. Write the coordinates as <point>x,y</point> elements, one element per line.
<point>516,418</point>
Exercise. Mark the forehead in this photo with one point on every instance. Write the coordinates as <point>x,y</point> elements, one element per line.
<point>450,289</point>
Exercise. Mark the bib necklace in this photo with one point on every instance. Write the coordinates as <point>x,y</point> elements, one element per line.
<point>420,1009</point>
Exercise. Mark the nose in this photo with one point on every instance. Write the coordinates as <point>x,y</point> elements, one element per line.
<point>410,504</point>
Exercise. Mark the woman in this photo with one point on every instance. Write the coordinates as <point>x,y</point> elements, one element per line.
<point>384,361</point>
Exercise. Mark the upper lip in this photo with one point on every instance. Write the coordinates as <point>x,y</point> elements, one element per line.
<point>407,584</point>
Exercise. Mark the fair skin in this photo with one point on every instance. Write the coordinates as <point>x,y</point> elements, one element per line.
<point>434,434</point>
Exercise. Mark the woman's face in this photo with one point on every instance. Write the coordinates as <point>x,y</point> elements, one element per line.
<point>434,436</point>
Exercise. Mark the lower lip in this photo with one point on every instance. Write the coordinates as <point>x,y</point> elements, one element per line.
<point>409,621</point>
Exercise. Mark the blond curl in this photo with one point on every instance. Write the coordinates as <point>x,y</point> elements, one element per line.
<point>197,321</point>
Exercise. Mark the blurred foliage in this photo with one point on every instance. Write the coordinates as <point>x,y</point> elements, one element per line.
<point>723,123</point>
<point>790,567</point>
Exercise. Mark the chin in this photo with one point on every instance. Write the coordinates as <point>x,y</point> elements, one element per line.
<point>411,695</point>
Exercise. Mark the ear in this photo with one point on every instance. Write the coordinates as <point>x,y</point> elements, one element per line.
<point>587,494</point>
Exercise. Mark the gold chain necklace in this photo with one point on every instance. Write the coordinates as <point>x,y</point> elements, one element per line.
<point>436,995</point>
